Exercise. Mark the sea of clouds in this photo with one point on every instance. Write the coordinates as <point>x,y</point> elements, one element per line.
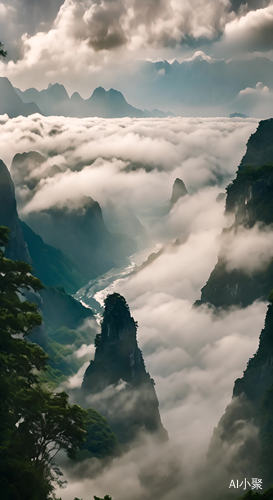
<point>193,355</point>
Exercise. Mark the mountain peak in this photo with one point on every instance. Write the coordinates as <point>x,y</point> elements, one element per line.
<point>98,93</point>
<point>58,91</point>
<point>118,373</point>
<point>76,97</point>
<point>5,82</point>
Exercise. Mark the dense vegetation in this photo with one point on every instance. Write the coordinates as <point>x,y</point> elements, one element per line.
<point>35,423</point>
<point>100,441</point>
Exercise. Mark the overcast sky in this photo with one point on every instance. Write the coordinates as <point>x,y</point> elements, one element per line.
<point>79,42</point>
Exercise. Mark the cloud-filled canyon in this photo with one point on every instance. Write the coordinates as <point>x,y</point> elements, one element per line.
<point>129,167</point>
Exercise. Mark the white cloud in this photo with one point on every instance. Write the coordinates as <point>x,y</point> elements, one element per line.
<point>104,32</point>
<point>252,31</point>
<point>75,381</point>
<point>200,151</point>
<point>256,100</point>
<point>249,250</point>
<point>259,88</point>
<point>193,356</point>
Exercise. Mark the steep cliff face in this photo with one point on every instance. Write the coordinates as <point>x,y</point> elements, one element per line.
<point>260,146</point>
<point>126,391</point>
<point>245,432</point>
<point>17,248</point>
<point>49,264</point>
<point>80,232</point>
<point>250,202</point>
<point>62,314</point>
<point>76,228</point>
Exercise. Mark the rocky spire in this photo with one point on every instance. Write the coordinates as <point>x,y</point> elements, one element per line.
<point>126,391</point>
<point>179,190</point>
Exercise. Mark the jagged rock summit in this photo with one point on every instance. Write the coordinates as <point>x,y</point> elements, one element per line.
<point>179,190</point>
<point>127,395</point>
<point>250,203</point>
<point>103,103</point>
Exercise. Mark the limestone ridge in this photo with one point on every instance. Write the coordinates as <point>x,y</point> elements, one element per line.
<point>103,103</point>
<point>126,391</point>
<point>179,190</point>
<point>247,425</point>
<point>250,201</point>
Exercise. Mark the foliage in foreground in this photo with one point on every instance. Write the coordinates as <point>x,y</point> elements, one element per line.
<point>35,424</point>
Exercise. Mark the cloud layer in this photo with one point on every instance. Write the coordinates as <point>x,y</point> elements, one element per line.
<point>193,356</point>
<point>92,157</point>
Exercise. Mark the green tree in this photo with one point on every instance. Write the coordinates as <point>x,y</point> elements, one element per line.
<point>100,440</point>
<point>35,424</point>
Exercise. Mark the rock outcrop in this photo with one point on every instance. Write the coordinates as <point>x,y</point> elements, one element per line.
<point>126,391</point>
<point>250,202</point>
<point>179,190</point>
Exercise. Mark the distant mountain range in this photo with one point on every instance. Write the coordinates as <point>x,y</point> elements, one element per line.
<point>104,103</point>
<point>198,85</point>
<point>55,101</point>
